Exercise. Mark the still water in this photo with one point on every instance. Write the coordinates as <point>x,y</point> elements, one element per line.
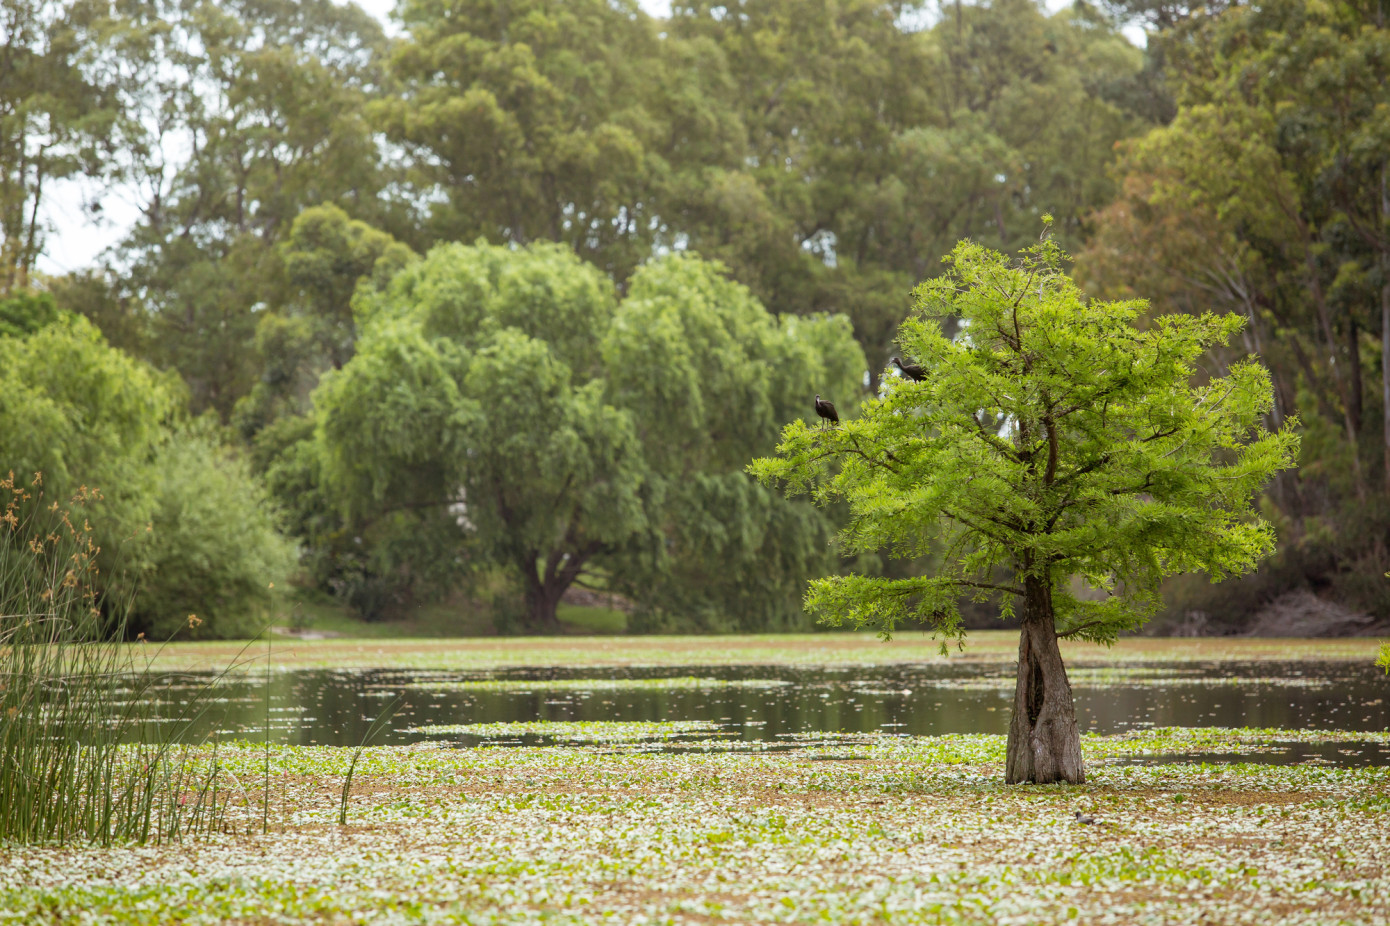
<point>775,703</point>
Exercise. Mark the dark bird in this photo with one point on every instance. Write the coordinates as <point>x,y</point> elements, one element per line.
<point>1084,818</point>
<point>912,371</point>
<point>826,410</point>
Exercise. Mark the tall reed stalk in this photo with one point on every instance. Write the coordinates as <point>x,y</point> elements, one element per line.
<point>80,756</point>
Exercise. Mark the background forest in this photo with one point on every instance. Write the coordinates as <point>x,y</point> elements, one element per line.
<point>499,308</point>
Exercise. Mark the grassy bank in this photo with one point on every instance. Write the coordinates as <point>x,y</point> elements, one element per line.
<point>866,830</point>
<point>1000,646</point>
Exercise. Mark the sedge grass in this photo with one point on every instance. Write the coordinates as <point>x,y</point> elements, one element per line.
<point>81,757</point>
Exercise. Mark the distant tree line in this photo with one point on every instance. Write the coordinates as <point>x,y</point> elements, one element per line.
<point>505,303</point>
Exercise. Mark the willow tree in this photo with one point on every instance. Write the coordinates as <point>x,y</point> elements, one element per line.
<point>1057,456</point>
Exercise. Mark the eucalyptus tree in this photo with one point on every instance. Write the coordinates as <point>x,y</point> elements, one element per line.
<point>253,111</point>
<point>528,121</point>
<point>1267,195</point>
<point>62,116</point>
<point>325,257</point>
<point>1053,444</point>
<point>878,133</point>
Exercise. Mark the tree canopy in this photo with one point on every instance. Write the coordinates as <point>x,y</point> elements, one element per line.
<point>277,154</point>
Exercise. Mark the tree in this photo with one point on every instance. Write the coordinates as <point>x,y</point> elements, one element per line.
<point>505,402</point>
<point>254,111</point>
<point>871,147</point>
<point>1266,196</point>
<point>324,258</point>
<point>1053,442</point>
<point>473,402</point>
<point>530,119</point>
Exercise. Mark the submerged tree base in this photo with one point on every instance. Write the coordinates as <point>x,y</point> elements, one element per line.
<point>1044,743</point>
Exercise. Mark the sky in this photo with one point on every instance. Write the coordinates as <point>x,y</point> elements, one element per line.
<point>76,240</point>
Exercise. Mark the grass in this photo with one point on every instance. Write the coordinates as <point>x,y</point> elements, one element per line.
<point>998,647</point>
<point>321,615</point>
<point>881,830</point>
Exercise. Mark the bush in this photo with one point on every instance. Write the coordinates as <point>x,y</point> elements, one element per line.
<point>180,525</point>
<point>212,548</point>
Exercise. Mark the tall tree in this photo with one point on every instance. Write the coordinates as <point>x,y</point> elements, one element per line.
<point>1053,440</point>
<point>1265,196</point>
<point>255,111</point>
<point>872,146</point>
<point>528,122</point>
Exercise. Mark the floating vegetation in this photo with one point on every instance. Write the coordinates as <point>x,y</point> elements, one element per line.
<point>511,685</point>
<point>593,731</point>
<point>910,830</point>
<point>1116,677</point>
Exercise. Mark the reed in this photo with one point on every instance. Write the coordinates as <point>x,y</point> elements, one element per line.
<point>82,757</point>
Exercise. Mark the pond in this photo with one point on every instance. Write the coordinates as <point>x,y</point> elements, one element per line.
<point>770,707</point>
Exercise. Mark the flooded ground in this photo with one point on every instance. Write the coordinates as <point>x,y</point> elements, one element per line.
<point>777,705</point>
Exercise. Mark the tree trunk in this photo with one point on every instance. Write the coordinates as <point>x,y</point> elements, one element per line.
<point>1044,743</point>
<point>542,598</point>
<point>1354,361</point>
<point>1385,317</point>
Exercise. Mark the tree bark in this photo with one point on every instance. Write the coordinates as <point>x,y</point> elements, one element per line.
<point>1044,743</point>
<point>1354,361</point>
<point>1385,315</point>
<point>542,598</point>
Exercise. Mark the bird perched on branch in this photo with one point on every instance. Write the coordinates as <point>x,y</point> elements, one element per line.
<point>912,371</point>
<point>826,410</point>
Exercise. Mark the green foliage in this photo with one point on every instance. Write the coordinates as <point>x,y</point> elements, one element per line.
<point>709,377</point>
<point>61,117</point>
<point>504,403</point>
<point>25,312</point>
<point>181,527</point>
<point>871,148</point>
<point>1266,197</point>
<point>533,117</point>
<point>213,547</point>
<point>273,94</point>
<point>471,406</point>
<point>326,257</point>
<point>1051,438</point>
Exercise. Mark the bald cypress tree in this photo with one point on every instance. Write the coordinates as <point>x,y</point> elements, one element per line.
<point>1051,440</point>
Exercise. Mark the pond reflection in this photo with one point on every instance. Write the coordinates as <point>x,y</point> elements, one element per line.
<point>336,707</point>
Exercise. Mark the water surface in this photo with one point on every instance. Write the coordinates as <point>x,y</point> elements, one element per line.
<point>777,703</point>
